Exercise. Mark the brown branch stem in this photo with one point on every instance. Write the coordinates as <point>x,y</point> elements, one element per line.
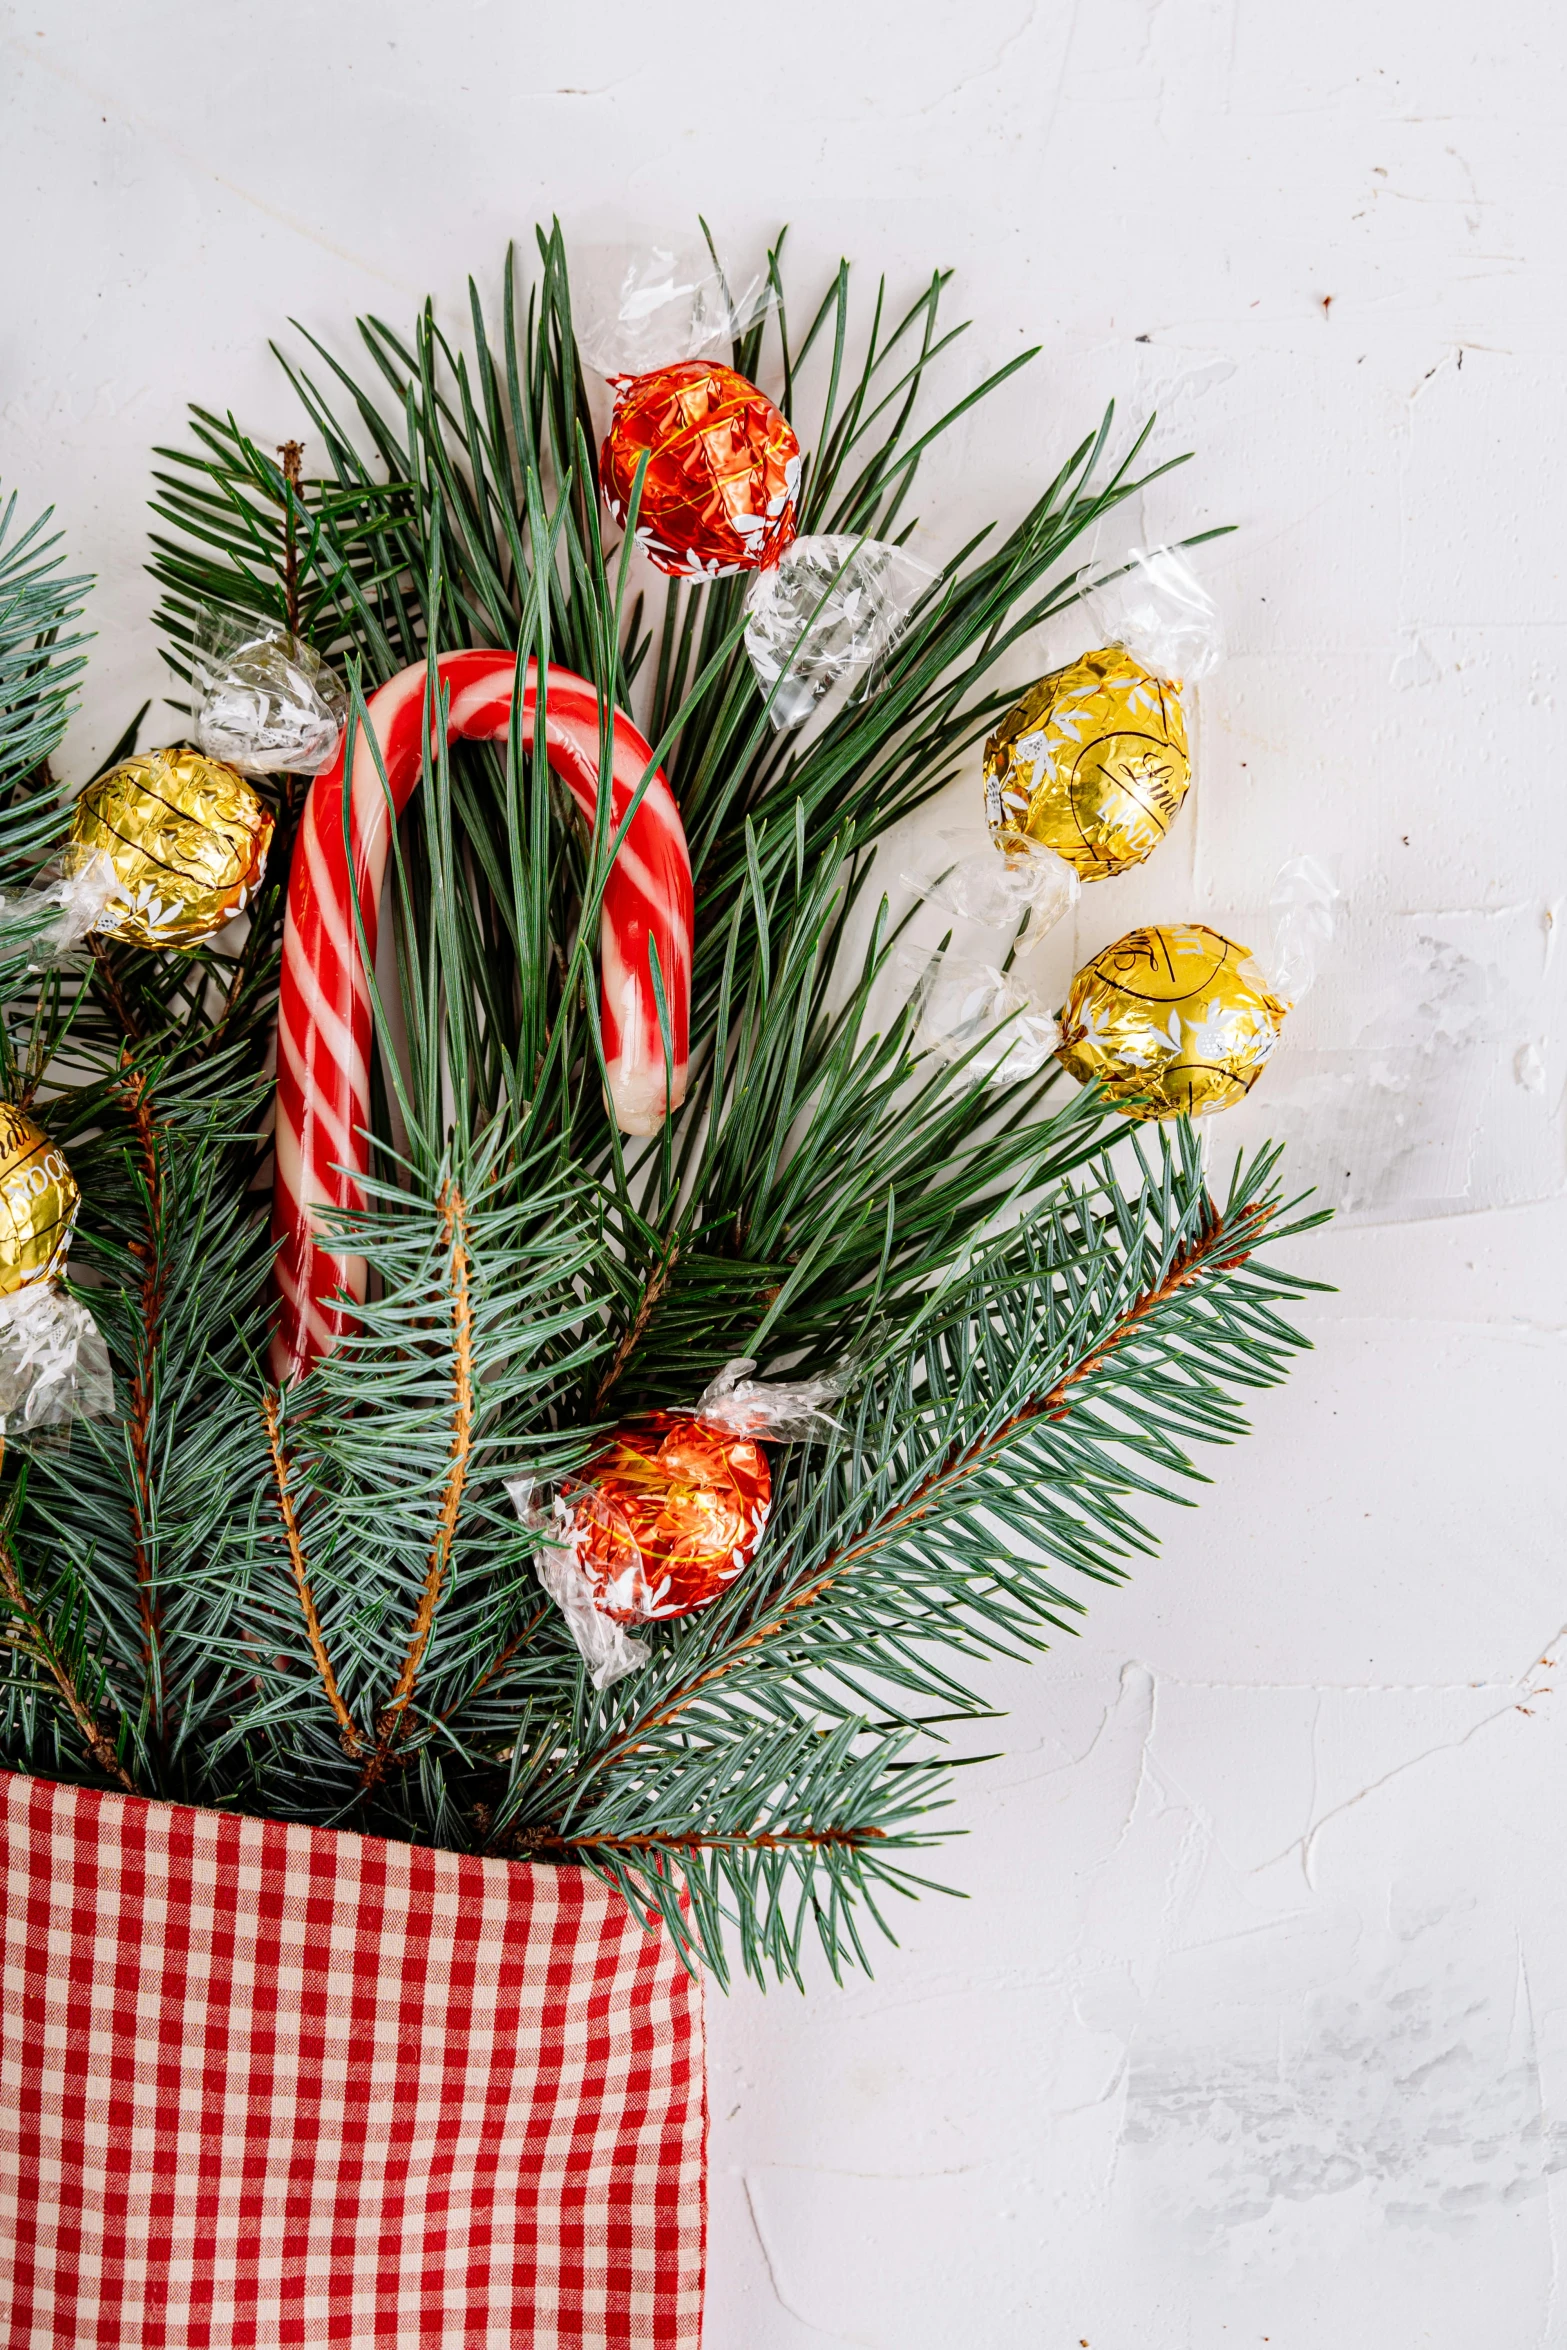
<point>631,1337</point>
<point>292,454</point>
<point>108,980</point>
<point>352,1742</point>
<point>785,1840</point>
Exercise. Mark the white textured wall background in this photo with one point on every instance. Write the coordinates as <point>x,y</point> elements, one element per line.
<point>1255,2027</point>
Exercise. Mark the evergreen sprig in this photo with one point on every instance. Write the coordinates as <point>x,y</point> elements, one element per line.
<point>320,1604</point>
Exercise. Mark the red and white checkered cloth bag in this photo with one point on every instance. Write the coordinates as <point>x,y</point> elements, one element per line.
<point>275,2085</point>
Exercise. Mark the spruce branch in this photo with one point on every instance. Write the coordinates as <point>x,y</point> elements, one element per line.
<point>107,980</point>
<point>284,1498</point>
<point>737,1840</point>
<point>132,1091</point>
<point>389,1729</point>
<point>1226,1243</point>
<point>35,1636</point>
<point>654,1289</point>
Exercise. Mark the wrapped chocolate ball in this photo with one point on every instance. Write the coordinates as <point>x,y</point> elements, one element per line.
<point>269,705</point>
<point>187,837</point>
<point>1091,763</point>
<point>722,467</point>
<point>38,1203</point>
<point>1171,1020</point>
<point>666,1513</point>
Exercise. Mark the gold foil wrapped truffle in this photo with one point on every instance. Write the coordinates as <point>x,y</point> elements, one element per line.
<point>1170,1020</point>
<point>187,837</point>
<point>38,1202</point>
<point>1091,762</point>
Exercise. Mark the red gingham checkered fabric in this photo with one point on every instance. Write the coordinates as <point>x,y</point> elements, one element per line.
<point>276,2085</point>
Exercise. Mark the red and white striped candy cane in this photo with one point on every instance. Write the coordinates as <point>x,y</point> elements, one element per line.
<point>323,1094</point>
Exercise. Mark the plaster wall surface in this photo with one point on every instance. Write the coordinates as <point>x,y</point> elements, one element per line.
<point>1253,2027</point>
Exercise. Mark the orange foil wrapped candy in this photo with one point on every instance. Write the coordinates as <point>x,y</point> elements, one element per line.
<point>723,465</point>
<point>665,1514</point>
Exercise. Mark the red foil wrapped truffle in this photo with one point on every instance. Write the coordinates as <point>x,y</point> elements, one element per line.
<point>667,1511</point>
<point>723,464</point>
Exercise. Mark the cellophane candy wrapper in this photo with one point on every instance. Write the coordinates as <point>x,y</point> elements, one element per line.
<point>973,1012</point>
<point>779,1411</point>
<point>584,1528</point>
<point>831,606</point>
<point>1302,903</point>
<point>54,1365</point>
<point>1159,609</point>
<point>662,303</point>
<point>51,925</point>
<point>995,882</point>
<point>269,703</point>
<point>606,1648</point>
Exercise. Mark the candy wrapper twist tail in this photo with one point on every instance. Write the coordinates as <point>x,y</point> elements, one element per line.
<point>50,926</point>
<point>1158,608</point>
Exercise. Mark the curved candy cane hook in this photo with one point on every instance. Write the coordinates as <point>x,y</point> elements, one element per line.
<point>323,1093</point>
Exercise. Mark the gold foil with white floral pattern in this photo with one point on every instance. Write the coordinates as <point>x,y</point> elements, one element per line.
<point>1171,1020</point>
<point>38,1202</point>
<point>187,837</point>
<point>1092,763</point>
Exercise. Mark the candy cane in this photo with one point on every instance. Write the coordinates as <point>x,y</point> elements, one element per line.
<point>323,1095</point>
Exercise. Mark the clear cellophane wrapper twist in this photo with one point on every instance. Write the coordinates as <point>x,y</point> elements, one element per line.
<point>54,1365</point>
<point>1010,885</point>
<point>974,1002</point>
<point>828,610</point>
<point>660,303</point>
<point>978,1015</point>
<point>592,1554</point>
<point>1302,903</point>
<point>605,1646</point>
<point>269,704</point>
<point>50,926</point>
<point>1157,607</point>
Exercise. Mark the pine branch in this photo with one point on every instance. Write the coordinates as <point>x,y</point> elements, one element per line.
<point>292,454</point>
